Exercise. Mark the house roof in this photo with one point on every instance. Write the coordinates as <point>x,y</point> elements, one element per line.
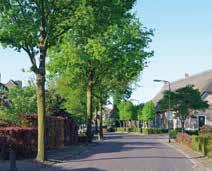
<point>202,81</point>
<point>13,83</point>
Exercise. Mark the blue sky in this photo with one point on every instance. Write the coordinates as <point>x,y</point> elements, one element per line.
<point>182,44</point>
<point>182,41</point>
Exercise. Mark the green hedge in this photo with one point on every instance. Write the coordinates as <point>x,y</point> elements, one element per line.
<point>145,131</point>
<point>202,144</point>
<point>121,129</point>
<point>154,131</point>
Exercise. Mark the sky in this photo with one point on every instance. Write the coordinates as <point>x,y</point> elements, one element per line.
<point>182,43</point>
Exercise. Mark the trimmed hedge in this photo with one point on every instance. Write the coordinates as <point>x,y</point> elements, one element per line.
<point>60,131</point>
<point>202,144</point>
<point>22,140</point>
<point>145,131</point>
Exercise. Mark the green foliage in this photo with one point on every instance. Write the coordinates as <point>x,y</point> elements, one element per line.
<point>126,110</point>
<point>74,98</point>
<point>184,101</point>
<point>148,112</point>
<point>202,144</point>
<point>114,66</point>
<point>21,101</point>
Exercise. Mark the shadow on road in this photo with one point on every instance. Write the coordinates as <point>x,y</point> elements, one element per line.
<point>81,169</point>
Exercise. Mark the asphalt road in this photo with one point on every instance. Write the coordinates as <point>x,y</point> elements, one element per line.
<point>124,152</point>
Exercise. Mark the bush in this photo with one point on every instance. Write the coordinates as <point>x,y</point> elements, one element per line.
<point>60,131</point>
<point>202,144</point>
<point>121,129</point>
<point>184,138</point>
<point>21,140</point>
<point>111,129</point>
<point>173,133</point>
<point>147,131</point>
<point>134,129</point>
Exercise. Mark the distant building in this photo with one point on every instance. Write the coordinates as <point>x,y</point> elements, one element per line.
<point>6,87</point>
<point>201,81</point>
<point>12,83</point>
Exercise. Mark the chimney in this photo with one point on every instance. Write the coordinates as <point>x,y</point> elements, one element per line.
<point>186,75</point>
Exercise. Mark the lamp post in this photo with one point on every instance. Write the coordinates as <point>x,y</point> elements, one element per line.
<point>168,116</point>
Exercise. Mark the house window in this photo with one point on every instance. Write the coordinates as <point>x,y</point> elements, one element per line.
<point>201,121</point>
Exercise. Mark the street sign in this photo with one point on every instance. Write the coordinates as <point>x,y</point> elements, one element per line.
<point>169,115</point>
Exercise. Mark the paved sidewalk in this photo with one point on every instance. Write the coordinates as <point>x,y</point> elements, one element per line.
<point>54,157</point>
<point>199,159</point>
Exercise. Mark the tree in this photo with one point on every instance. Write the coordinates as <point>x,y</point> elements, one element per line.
<point>126,111</point>
<point>148,112</point>
<point>74,99</point>
<point>139,109</point>
<point>111,56</point>
<point>183,101</point>
<point>34,26</point>
<point>21,101</point>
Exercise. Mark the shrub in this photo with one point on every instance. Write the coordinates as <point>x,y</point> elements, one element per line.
<point>184,138</point>
<point>110,129</point>
<point>24,139</point>
<point>134,129</point>
<point>202,144</point>
<point>120,129</point>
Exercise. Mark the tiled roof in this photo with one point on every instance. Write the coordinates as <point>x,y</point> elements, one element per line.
<point>202,81</point>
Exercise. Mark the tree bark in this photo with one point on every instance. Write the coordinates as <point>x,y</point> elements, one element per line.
<point>89,107</point>
<point>96,120</point>
<point>40,91</point>
<point>40,85</point>
<point>101,121</point>
<point>183,125</point>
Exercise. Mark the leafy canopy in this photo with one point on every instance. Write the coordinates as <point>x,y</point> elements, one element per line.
<point>184,101</point>
<point>126,110</point>
<point>148,112</point>
<point>21,101</point>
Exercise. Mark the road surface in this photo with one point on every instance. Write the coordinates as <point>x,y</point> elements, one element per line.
<point>125,152</point>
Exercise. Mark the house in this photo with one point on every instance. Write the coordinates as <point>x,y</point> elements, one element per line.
<point>201,81</point>
<point>10,84</point>
<point>5,88</point>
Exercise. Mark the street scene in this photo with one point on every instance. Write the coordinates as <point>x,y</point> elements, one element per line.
<point>105,85</point>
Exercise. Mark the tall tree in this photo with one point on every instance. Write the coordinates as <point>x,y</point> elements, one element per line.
<point>34,26</point>
<point>183,101</point>
<point>148,112</point>
<point>114,54</point>
<point>126,111</point>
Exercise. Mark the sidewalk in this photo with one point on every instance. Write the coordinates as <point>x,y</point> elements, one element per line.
<point>200,161</point>
<point>54,157</point>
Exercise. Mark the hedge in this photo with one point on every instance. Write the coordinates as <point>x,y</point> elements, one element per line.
<point>60,131</point>
<point>22,140</point>
<point>202,144</point>
<point>142,130</point>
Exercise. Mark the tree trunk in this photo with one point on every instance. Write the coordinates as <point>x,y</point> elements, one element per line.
<point>183,125</point>
<point>101,121</point>
<point>40,85</point>
<point>89,107</point>
<point>96,120</point>
<point>40,91</point>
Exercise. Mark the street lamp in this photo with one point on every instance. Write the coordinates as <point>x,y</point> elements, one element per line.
<point>168,114</point>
